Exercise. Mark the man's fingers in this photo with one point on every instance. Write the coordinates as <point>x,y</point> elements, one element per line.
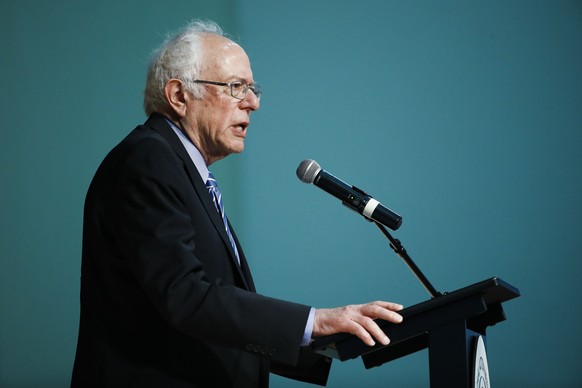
<point>382,310</point>
<point>388,305</point>
<point>360,331</point>
<point>358,320</point>
<point>373,329</point>
<point>379,310</point>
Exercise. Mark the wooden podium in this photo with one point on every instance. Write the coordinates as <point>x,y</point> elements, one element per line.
<point>448,325</point>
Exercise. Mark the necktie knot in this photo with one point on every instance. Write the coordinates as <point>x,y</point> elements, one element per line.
<point>211,182</point>
<point>215,193</point>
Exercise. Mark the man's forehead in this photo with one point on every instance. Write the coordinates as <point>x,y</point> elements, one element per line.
<point>214,39</point>
<point>222,55</point>
<point>216,46</point>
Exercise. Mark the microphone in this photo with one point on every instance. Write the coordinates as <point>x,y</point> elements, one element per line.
<point>309,171</point>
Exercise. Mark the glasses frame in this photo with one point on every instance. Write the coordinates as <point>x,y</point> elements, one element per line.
<point>255,88</point>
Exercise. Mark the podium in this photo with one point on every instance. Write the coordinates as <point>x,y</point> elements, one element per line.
<point>448,325</point>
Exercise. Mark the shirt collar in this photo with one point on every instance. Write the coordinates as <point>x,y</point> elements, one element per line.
<point>193,152</point>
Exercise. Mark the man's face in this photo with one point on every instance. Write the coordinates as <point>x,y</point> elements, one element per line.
<point>217,124</point>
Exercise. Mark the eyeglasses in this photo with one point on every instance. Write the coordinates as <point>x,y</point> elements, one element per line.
<point>238,89</point>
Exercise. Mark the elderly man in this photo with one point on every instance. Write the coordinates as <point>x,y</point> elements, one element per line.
<point>167,297</point>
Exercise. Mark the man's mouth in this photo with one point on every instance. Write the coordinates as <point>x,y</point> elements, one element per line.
<point>241,127</point>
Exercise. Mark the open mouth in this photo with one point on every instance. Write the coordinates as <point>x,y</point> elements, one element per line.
<point>241,128</point>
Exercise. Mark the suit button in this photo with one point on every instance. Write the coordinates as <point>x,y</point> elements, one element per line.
<point>257,348</point>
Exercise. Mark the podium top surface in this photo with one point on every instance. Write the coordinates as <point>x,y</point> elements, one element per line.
<point>493,291</point>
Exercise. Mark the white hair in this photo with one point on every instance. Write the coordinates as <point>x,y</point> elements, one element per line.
<point>180,56</point>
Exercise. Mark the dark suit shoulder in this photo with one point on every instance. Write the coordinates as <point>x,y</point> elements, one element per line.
<point>141,136</point>
<point>139,143</point>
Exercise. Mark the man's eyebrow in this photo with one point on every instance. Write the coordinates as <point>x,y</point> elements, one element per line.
<point>239,78</point>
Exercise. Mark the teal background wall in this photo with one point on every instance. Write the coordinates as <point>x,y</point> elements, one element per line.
<point>72,86</point>
<point>463,116</point>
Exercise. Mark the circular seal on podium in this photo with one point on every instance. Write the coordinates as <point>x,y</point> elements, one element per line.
<point>481,368</point>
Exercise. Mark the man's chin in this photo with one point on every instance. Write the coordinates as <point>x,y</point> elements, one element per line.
<point>238,148</point>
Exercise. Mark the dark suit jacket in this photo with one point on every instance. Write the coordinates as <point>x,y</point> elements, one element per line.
<point>163,301</point>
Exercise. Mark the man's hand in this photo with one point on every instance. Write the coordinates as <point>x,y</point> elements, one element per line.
<point>357,320</point>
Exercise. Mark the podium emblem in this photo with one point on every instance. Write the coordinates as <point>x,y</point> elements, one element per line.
<point>481,368</point>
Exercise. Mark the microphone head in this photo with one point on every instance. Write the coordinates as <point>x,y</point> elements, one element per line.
<point>308,170</point>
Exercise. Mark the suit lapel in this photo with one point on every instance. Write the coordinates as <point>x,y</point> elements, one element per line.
<point>158,123</point>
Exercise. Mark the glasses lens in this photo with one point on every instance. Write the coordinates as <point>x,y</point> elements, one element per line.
<point>256,88</point>
<point>238,89</point>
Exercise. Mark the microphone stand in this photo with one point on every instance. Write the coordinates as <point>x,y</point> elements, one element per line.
<point>399,249</point>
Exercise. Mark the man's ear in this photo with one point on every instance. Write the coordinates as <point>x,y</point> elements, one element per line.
<point>176,96</point>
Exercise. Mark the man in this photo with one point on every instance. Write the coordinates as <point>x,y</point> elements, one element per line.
<point>167,298</point>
